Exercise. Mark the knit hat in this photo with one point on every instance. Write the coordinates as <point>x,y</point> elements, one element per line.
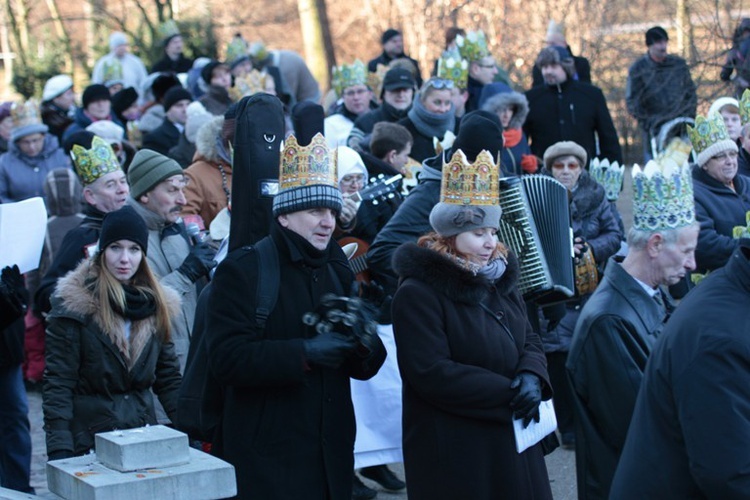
<point>94,93</point>
<point>480,130</point>
<point>124,224</point>
<point>148,169</point>
<point>107,130</point>
<point>556,55</point>
<point>348,162</point>
<point>26,120</point>
<point>196,117</point>
<point>388,34</point>
<point>469,195</point>
<point>207,72</point>
<point>656,34</point>
<point>124,99</point>
<point>56,86</point>
<point>175,95</point>
<point>721,102</point>
<point>162,84</point>
<point>564,148</point>
<point>116,39</point>
<point>710,137</point>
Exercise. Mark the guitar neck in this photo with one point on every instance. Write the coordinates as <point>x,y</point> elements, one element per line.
<point>358,264</point>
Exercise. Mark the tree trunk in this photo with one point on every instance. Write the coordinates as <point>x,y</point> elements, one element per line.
<point>62,33</point>
<point>316,37</point>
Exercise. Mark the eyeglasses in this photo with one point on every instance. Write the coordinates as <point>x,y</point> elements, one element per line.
<point>486,65</point>
<point>352,93</point>
<point>723,156</point>
<point>438,84</point>
<point>353,179</point>
<point>558,165</point>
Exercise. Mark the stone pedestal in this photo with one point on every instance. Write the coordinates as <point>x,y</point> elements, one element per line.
<point>143,448</point>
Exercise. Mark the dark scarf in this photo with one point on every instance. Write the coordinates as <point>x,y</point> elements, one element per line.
<point>431,124</point>
<point>301,249</point>
<point>139,304</point>
<point>392,114</point>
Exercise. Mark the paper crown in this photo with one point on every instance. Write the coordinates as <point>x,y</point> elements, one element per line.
<point>455,69</point>
<point>609,175</point>
<point>236,50</point>
<point>745,107</point>
<point>662,196</point>
<point>25,114</point>
<point>168,29</point>
<point>710,137</point>
<point>249,84</point>
<point>307,165</point>
<point>258,51</point>
<point>112,72</point>
<point>476,184</point>
<point>93,163</point>
<point>473,46</point>
<point>348,75</point>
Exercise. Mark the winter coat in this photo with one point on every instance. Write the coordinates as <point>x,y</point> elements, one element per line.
<point>614,337</point>
<point>208,191</point>
<point>184,152</point>
<point>582,66</point>
<point>81,120</point>
<point>593,219</point>
<point>287,427</point>
<point>718,209</point>
<point>359,137</point>
<point>64,195</point>
<point>216,100</point>
<point>56,119</point>
<point>99,378</point>
<point>162,138</point>
<point>152,118</point>
<point>457,361</point>
<point>688,437</point>
<point>384,60</point>
<point>299,81</point>
<point>78,244</point>
<point>338,125</point>
<point>474,88</point>
<point>657,92</point>
<point>572,111</point>
<point>512,155</point>
<point>743,162</point>
<point>180,65</point>
<point>22,177</point>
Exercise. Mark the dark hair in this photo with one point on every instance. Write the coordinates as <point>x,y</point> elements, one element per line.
<point>387,137</point>
<point>451,34</point>
<point>556,55</point>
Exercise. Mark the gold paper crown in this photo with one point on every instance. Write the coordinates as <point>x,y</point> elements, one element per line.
<point>745,107</point>
<point>168,28</point>
<point>473,46</point>
<point>454,69</point>
<point>348,75</point>
<point>467,183</point>
<point>95,162</point>
<point>249,84</point>
<point>25,113</point>
<point>307,165</point>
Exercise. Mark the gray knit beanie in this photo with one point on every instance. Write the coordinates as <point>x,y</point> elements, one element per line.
<point>449,219</point>
<point>148,169</point>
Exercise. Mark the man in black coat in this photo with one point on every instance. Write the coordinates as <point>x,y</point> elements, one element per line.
<point>567,110</point>
<point>173,60</point>
<point>691,427</point>
<point>167,135</point>
<point>556,38</point>
<point>288,423</point>
<point>393,48</point>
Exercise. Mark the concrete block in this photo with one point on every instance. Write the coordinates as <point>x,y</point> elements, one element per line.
<point>149,447</point>
<point>6,494</point>
<point>86,478</point>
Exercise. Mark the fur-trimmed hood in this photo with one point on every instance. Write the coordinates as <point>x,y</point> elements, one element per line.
<point>446,276</point>
<point>206,144</point>
<point>514,100</point>
<point>74,299</point>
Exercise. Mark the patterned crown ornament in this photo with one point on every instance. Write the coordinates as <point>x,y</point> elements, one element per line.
<point>25,113</point>
<point>375,79</point>
<point>609,175</point>
<point>662,196</point>
<point>236,50</point>
<point>710,137</point>
<point>473,46</point>
<point>168,29</point>
<point>465,183</point>
<point>348,75</point>
<point>454,69</point>
<point>745,107</point>
<point>249,84</point>
<point>112,72</point>
<point>307,165</point>
<point>93,163</point>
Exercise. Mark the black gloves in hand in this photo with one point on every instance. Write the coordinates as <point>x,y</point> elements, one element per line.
<point>376,296</point>
<point>328,349</point>
<point>199,262</point>
<point>13,291</point>
<point>525,404</point>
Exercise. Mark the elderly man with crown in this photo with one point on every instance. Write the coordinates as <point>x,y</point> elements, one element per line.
<point>469,359</point>
<point>622,320</point>
<point>288,424</point>
<point>355,99</point>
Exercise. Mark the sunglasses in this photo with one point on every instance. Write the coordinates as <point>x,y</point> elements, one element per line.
<point>570,165</point>
<point>439,83</point>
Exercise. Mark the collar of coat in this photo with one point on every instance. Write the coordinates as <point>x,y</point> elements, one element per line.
<point>447,277</point>
<point>74,299</point>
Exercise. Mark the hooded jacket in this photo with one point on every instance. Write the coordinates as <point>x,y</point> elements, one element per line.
<point>22,177</point>
<point>81,120</point>
<point>513,153</point>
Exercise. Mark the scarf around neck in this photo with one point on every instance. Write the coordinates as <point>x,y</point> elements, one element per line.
<point>139,304</point>
<point>431,124</point>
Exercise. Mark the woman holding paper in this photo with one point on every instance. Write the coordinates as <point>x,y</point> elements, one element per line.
<point>469,361</point>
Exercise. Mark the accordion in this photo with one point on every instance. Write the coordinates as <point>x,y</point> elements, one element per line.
<point>536,225</point>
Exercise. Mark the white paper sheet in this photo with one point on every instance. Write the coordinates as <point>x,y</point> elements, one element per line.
<point>23,226</point>
<point>536,431</point>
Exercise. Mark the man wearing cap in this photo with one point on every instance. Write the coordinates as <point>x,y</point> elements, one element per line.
<point>97,105</point>
<point>105,189</point>
<point>133,71</point>
<point>556,38</point>
<point>288,424</point>
<point>393,48</point>
<point>396,96</point>
<point>58,104</point>
<point>173,60</point>
<point>659,88</point>
<point>157,192</point>
<point>355,99</point>
<point>567,110</point>
<point>167,135</point>
<point>619,325</point>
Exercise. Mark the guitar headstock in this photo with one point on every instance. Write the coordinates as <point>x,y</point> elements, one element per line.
<point>380,188</point>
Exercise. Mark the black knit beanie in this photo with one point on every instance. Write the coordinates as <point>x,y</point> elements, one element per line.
<point>124,224</point>
<point>94,93</point>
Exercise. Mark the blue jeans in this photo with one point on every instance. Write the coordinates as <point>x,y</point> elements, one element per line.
<point>15,452</point>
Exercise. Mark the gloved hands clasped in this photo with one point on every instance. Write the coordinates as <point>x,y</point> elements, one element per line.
<point>199,262</point>
<point>525,404</point>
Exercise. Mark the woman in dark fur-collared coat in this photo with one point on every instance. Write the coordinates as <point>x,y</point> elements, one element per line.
<point>469,362</point>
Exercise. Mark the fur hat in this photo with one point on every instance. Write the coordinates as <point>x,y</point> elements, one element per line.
<point>175,95</point>
<point>94,93</point>
<point>116,39</point>
<point>56,86</point>
<point>124,99</point>
<point>162,84</point>
<point>148,169</point>
<point>124,224</point>
<point>556,55</point>
<point>564,148</point>
<point>656,34</point>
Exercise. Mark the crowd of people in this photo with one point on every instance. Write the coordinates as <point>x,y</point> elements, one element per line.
<point>330,271</point>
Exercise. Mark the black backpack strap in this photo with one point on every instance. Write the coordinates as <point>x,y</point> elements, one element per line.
<point>269,278</point>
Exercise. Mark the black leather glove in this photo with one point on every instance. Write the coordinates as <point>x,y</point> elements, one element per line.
<point>14,294</point>
<point>376,296</point>
<point>328,349</point>
<point>525,404</point>
<point>59,455</point>
<point>199,262</point>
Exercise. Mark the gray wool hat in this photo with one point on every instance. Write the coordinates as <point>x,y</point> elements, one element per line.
<point>564,148</point>
<point>448,219</point>
<point>148,169</point>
